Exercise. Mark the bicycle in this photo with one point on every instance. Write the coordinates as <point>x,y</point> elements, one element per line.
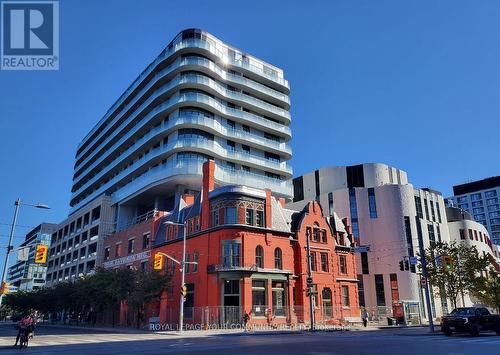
<point>24,338</point>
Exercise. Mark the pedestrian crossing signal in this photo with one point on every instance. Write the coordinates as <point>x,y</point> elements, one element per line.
<point>158,262</point>
<point>41,254</point>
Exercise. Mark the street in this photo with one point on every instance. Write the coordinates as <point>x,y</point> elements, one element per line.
<point>51,340</point>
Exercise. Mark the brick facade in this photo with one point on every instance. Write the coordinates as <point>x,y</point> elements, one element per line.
<point>251,258</point>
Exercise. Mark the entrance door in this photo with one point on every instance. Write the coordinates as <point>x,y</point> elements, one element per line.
<point>231,302</point>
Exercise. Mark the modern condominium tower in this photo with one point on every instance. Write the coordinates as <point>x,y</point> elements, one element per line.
<point>199,99</point>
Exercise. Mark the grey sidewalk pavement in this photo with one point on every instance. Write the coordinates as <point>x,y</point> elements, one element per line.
<point>239,331</point>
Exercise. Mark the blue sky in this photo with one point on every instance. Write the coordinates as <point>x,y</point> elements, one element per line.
<point>414,84</point>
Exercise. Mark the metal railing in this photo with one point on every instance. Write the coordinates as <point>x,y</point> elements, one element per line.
<point>232,317</point>
<point>139,219</point>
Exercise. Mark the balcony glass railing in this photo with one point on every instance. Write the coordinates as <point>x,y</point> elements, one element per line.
<point>169,104</point>
<point>192,167</point>
<point>259,104</point>
<point>207,63</point>
<point>177,121</point>
<point>200,143</point>
<point>198,43</point>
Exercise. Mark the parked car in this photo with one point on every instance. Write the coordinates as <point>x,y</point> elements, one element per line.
<point>471,320</point>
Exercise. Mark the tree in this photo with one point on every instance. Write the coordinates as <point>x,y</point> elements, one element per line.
<point>460,275</point>
<point>148,287</point>
<point>91,296</point>
<point>487,290</point>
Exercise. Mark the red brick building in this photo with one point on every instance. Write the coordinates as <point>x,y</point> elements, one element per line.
<point>251,258</point>
<point>131,247</point>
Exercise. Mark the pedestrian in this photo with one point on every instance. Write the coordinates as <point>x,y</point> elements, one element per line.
<point>364,316</point>
<point>246,318</point>
<point>24,326</point>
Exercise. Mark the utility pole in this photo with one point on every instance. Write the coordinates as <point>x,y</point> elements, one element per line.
<point>423,261</point>
<point>309,280</point>
<point>183,279</point>
<point>9,246</point>
<point>17,203</point>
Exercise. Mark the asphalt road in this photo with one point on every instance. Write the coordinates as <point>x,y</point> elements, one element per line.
<point>59,340</point>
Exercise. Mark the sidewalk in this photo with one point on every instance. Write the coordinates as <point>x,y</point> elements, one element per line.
<point>234,332</point>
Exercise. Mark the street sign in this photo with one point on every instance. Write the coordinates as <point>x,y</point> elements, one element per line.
<point>362,249</point>
<point>309,281</point>
<point>23,254</point>
<point>413,260</point>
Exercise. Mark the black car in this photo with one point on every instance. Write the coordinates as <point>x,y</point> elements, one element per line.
<point>470,320</point>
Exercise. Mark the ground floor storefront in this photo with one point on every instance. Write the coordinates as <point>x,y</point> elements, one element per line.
<point>256,299</point>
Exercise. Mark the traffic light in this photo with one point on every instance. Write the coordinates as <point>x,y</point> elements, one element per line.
<point>402,265</point>
<point>407,264</point>
<point>158,262</point>
<point>448,264</point>
<point>184,290</point>
<point>4,289</point>
<point>41,254</point>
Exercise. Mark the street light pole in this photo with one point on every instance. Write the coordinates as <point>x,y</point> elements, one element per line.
<point>17,203</point>
<point>183,279</point>
<point>183,270</point>
<point>309,277</point>
<point>425,275</point>
<point>9,245</point>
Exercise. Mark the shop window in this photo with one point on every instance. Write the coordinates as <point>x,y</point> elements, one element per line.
<point>259,304</point>
<point>279,299</point>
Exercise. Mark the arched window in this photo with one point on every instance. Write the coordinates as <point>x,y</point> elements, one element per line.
<point>278,260</point>
<point>326,296</point>
<point>259,256</point>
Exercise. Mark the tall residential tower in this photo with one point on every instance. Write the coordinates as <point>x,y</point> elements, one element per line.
<point>481,199</point>
<point>199,99</point>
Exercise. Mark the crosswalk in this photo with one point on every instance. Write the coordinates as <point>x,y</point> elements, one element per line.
<point>70,339</point>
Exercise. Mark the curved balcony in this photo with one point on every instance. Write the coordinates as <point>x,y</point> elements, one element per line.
<point>175,167</point>
<point>205,146</point>
<point>206,45</point>
<point>192,61</point>
<point>166,53</point>
<point>205,81</point>
<point>169,105</point>
<point>239,157</point>
<point>235,79</point>
<point>187,119</point>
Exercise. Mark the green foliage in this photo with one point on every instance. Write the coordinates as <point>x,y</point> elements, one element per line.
<point>487,290</point>
<point>92,294</point>
<point>460,273</point>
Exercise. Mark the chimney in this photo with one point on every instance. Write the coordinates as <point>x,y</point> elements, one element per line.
<point>208,185</point>
<point>268,209</point>
<point>282,202</point>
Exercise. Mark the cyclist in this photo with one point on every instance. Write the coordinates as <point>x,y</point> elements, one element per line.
<point>25,326</point>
